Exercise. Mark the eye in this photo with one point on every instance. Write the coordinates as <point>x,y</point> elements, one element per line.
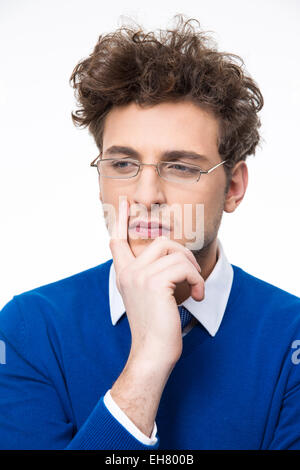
<point>120,164</point>
<point>179,167</point>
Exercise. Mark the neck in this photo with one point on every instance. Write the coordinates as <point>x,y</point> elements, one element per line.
<point>207,259</point>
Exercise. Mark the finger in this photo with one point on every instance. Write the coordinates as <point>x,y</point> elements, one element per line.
<point>162,246</point>
<point>181,273</point>
<point>120,249</point>
<point>167,261</point>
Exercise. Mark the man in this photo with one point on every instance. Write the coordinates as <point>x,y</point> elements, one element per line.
<point>166,345</point>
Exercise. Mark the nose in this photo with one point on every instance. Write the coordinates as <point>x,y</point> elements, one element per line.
<point>148,187</point>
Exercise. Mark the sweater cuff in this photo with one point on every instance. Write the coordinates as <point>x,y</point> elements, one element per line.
<point>102,431</point>
<point>119,414</point>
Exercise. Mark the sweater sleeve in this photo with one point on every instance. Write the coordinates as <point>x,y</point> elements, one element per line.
<point>287,430</point>
<point>102,431</point>
<point>32,414</point>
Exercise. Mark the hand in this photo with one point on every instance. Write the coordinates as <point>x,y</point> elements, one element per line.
<point>147,283</point>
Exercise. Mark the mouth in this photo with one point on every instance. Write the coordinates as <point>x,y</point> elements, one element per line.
<point>149,229</point>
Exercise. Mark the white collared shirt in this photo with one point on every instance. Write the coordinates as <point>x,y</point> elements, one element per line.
<point>209,312</point>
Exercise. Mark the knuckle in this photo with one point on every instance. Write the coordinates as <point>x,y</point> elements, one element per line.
<point>112,242</point>
<point>188,252</point>
<point>192,258</point>
<point>183,256</point>
<point>180,257</point>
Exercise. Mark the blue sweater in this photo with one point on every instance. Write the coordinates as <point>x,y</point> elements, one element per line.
<point>237,390</point>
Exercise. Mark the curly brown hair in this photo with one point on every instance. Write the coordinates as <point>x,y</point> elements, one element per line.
<point>130,65</point>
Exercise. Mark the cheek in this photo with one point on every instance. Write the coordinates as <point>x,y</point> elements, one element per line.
<point>109,203</point>
<point>109,191</point>
<point>191,204</point>
<point>202,208</point>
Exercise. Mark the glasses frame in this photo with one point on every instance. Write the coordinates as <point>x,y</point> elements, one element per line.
<point>201,172</point>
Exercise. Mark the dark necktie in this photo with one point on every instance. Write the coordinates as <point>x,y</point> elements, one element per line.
<point>185,316</point>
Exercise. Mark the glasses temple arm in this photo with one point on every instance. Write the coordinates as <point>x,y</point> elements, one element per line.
<point>216,166</point>
<point>93,162</point>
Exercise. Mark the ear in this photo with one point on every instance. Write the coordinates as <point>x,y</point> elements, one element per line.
<point>237,187</point>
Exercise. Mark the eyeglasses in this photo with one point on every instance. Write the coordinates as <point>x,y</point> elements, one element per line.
<point>121,168</point>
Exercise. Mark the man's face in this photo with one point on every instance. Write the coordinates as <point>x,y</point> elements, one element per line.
<point>151,132</point>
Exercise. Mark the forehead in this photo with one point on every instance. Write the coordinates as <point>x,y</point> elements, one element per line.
<point>165,126</point>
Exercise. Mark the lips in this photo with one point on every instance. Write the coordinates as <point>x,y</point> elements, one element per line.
<point>141,228</point>
<point>152,225</point>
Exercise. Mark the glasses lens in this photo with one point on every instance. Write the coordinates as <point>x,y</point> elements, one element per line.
<point>117,168</point>
<point>179,172</point>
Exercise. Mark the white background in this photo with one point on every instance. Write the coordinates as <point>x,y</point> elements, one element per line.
<point>51,219</point>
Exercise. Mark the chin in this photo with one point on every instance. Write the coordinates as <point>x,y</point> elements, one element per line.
<point>138,246</point>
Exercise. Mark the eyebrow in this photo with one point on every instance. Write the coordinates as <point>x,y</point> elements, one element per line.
<point>168,155</point>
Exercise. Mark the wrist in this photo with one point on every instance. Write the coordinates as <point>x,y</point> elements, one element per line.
<point>146,364</point>
<point>137,392</point>
<point>155,356</point>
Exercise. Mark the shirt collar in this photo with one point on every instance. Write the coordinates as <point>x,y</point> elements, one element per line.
<point>209,311</point>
